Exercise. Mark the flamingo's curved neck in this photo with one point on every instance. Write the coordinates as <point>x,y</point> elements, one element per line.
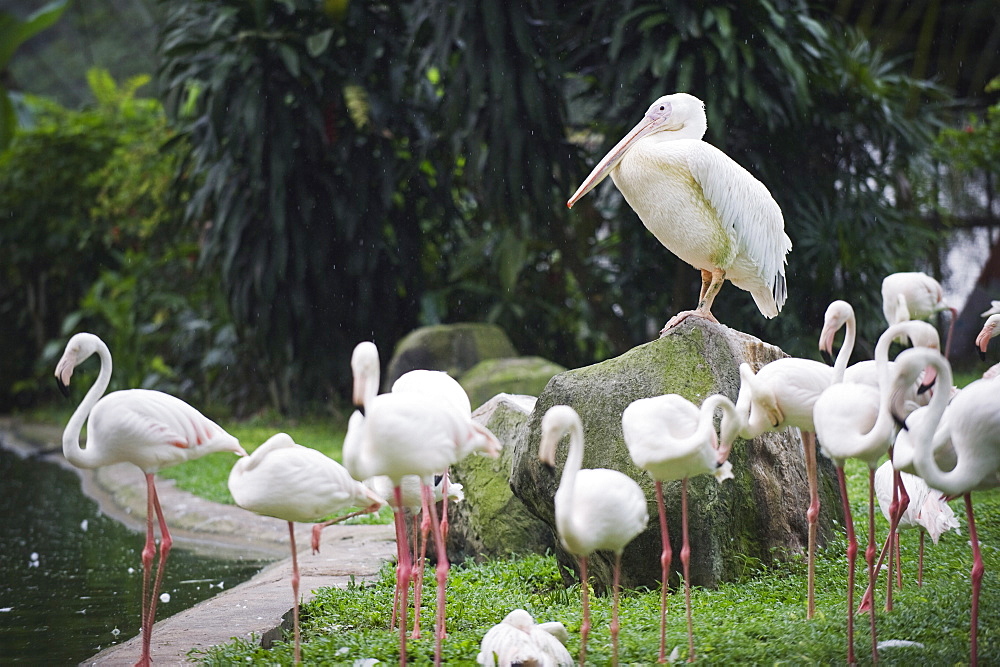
<point>574,461</point>
<point>844,355</point>
<point>78,456</point>
<point>923,438</point>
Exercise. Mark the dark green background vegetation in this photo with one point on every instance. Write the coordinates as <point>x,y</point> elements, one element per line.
<point>297,176</point>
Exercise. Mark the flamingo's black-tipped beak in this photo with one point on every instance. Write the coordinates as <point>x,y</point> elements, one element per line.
<point>982,353</point>
<point>900,421</point>
<point>549,466</point>
<point>827,357</point>
<point>924,388</point>
<point>63,389</point>
<point>437,479</point>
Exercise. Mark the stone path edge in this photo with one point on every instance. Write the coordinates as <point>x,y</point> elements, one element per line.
<point>255,608</point>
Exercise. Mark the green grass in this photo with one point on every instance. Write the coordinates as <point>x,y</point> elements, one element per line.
<point>758,620</point>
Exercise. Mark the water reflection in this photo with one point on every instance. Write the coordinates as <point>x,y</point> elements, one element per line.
<point>71,579</point>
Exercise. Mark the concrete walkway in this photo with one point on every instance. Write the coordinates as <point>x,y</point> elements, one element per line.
<point>255,607</point>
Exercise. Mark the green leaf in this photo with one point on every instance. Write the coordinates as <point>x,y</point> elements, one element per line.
<point>316,44</point>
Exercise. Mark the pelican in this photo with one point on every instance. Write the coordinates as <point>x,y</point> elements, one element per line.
<point>700,204</point>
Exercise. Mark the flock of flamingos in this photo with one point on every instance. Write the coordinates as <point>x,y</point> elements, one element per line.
<point>941,442</point>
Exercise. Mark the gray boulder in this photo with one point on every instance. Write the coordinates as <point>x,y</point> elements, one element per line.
<point>454,348</point>
<point>759,515</point>
<point>492,521</point>
<point>511,375</point>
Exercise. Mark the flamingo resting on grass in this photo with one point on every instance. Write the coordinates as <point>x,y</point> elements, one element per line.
<point>287,481</point>
<point>670,438</point>
<point>149,429</point>
<point>700,204</point>
<point>595,509</point>
<point>408,433</point>
<point>518,640</point>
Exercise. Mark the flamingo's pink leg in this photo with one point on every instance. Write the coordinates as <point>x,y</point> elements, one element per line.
<point>403,570</point>
<point>295,591</point>
<point>852,552</point>
<point>686,562</point>
<point>665,557</point>
<point>585,602</point>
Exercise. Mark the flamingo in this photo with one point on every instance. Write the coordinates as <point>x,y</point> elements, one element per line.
<point>595,508</point>
<point>914,295</point>
<point>287,481</point>
<point>920,334</point>
<point>670,438</point>
<point>928,512</point>
<point>782,394</point>
<point>413,504</point>
<point>992,310</point>
<point>971,423</point>
<point>408,433</point>
<point>988,333</point>
<point>856,421</point>
<point>518,640</point>
<point>149,429</point>
<point>700,204</point>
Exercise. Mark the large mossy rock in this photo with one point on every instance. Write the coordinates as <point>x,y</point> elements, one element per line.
<point>759,515</point>
<point>509,375</point>
<point>454,348</point>
<point>492,522</point>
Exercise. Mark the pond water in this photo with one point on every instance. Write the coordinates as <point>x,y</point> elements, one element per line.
<point>71,578</point>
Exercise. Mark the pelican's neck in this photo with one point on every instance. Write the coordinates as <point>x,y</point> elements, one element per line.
<point>74,453</point>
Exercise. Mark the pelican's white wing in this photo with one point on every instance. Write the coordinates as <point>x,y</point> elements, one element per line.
<point>751,216</point>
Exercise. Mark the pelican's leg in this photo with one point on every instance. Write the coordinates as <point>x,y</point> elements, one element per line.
<point>812,516</point>
<point>585,603</point>
<point>403,570</point>
<point>442,576</point>
<point>870,554</point>
<point>977,579</point>
<point>709,289</point>
<point>852,552</point>
<point>295,590</point>
<point>665,557</point>
<point>686,562</point>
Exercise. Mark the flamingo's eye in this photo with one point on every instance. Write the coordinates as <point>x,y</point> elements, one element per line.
<point>661,108</point>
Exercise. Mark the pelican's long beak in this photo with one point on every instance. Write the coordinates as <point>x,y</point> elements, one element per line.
<point>614,156</point>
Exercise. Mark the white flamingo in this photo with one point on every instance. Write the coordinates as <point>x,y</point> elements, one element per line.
<point>700,204</point>
<point>149,429</point>
<point>287,481</point>
<point>408,433</point>
<point>413,504</point>
<point>856,421</point>
<point>988,333</point>
<point>971,423</point>
<point>913,295</point>
<point>518,640</point>
<point>670,438</point>
<point>595,509</point>
<point>782,394</point>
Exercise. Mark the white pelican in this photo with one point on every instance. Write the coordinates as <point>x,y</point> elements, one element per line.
<point>149,429</point>
<point>595,508</point>
<point>699,203</point>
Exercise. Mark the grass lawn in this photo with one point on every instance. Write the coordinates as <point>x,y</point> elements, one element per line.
<point>758,620</point>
